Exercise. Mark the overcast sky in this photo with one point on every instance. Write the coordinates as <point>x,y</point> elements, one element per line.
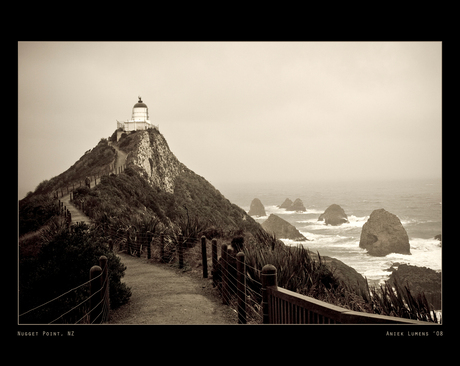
<point>238,112</point>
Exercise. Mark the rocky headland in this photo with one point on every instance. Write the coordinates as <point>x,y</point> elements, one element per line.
<point>257,208</point>
<point>334,215</point>
<point>383,234</point>
<point>282,229</point>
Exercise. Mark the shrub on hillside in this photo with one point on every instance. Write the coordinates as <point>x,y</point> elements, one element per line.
<point>63,263</point>
<point>36,211</point>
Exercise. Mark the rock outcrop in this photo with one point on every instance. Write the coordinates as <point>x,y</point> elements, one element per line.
<point>343,271</point>
<point>383,234</point>
<point>439,237</point>
<point>286,204</point>
<point>257,208</point>
<point>150,151</point>
<point>419,279</point>
<point>282,229</point>
<point>334,215</point>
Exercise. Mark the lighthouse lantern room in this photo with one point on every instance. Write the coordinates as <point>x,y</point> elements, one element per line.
<point>139,119</point>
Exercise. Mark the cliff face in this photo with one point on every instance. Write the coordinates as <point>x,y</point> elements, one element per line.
<point>150,152</point>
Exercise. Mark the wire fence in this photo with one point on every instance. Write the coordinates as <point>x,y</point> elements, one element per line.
<point>238,286</point>
<point>89,181</point>
<point>91,298</point>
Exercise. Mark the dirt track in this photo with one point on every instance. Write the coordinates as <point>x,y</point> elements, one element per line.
<point>161,295</point>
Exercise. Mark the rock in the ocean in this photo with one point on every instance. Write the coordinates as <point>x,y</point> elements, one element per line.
<point>439,237</point>
<point>383,234</point>
<point>334,215</point>
<point>257,208</point>
<point>282,229</point>
<point>297,206</point>
<point>286,204</point>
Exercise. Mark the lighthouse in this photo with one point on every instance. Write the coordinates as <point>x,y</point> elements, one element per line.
<point>139,119</point>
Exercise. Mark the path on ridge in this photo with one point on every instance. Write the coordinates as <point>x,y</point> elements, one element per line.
<point>79,216</point>
<point>121,157</point>
<point>160,295</point>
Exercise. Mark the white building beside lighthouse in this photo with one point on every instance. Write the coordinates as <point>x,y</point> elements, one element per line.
<point>139,120</point>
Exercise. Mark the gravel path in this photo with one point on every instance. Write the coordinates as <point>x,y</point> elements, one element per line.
<point>162,295</point>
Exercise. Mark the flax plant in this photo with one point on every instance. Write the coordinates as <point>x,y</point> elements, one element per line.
<point>299,271</point>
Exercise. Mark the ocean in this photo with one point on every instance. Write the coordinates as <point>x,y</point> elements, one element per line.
<point>417,203</point>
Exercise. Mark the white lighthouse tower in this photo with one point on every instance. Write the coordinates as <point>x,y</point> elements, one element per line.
<point>139,119</point>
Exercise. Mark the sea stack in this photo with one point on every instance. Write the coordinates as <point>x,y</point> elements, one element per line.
<point>286,204</point>
<point>257,208</point>
<point>334,215</point>
<point>297,206</point>
<point>383,234</point>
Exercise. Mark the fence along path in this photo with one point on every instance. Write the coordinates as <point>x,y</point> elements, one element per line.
<point>94,309</point>
<point>278,305</point>
<point>68,207</point>
<point>251,292</point>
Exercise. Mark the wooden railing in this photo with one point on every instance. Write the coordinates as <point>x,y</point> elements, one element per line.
<point>281,306</point>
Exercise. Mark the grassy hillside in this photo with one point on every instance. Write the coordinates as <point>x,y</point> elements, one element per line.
<point>38,207</point>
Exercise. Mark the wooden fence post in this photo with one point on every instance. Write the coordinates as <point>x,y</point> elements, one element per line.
<point>240,267</point>
<point>103,263</point>
<point>95,305</point>
<point>231,271</point>
<point>162,247</point>
<point>214,261</point>
<point>224,269</point>
<point>149,240</point>
<point>138,244</point>
<point>204,257</point>
<point>128,242</point>
<point>181,251</point>
<point>268,278</point>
